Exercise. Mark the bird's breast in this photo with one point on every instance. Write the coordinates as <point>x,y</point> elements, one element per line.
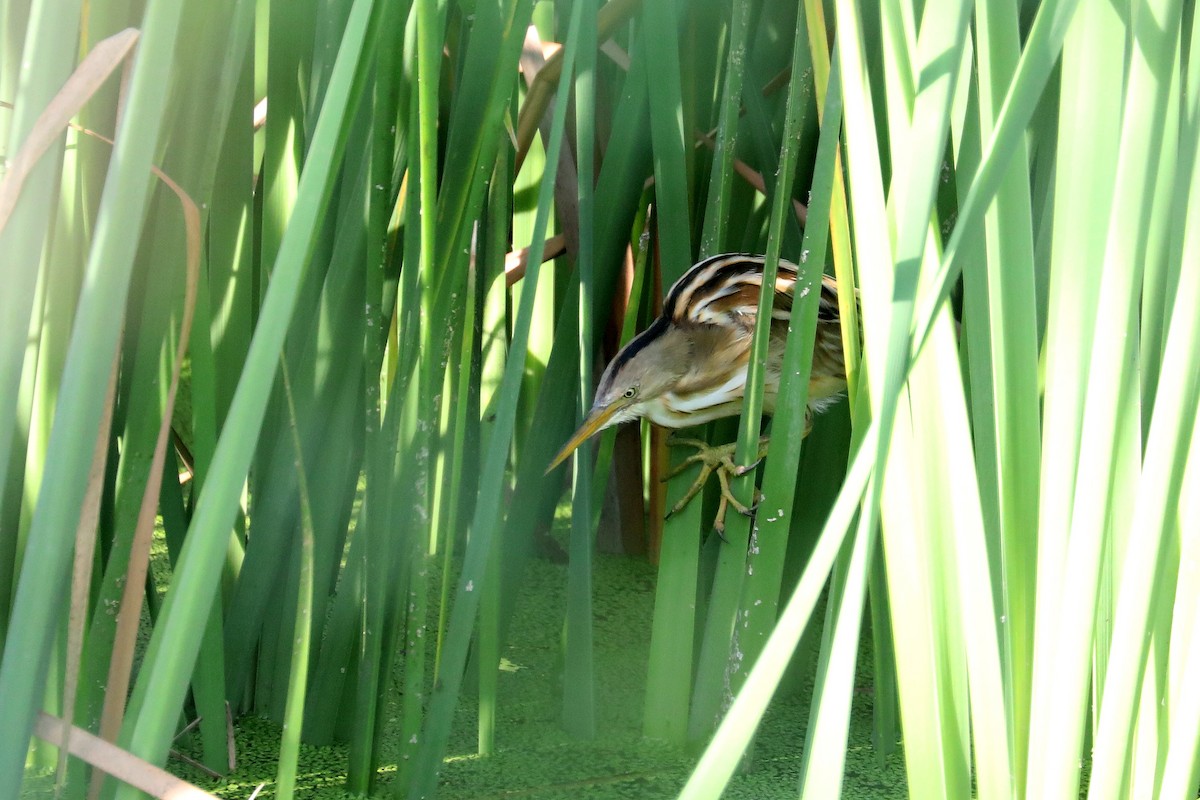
<point>696,402</point>
<point>667,411</point>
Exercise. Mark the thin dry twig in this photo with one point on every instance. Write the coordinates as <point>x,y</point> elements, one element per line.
<point>566,177</point>
<point>517,261</point>
<point>753,177</point>
<point>189,727</point>
<point>194,764</point>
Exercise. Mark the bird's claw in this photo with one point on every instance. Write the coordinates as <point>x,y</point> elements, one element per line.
<point>719,460</point>
<point>753,465</point>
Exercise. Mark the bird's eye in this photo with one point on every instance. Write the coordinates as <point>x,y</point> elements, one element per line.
<point>630,392</point>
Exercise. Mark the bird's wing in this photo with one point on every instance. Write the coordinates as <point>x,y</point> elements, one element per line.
<point>724,290</point>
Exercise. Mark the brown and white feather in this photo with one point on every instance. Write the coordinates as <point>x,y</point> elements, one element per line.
<point>716,305</point>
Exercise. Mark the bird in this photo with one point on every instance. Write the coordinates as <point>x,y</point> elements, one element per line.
<point>690,365</point>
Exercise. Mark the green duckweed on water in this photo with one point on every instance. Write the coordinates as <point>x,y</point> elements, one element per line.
<point>534,758</point>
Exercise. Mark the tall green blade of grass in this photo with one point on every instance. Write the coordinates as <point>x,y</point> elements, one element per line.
<point>565,207</point>
<point>960,547</point>
<point>427,75</point>
<point>40,590</point>
<point>1083,197</point>
<point>387,548</point>
<point>918,518</point>
<point>1160,275</point>
<point>289,748</point>
<point>491,356</point>
<point>578,711</point>
<point>769,539</point>
<point>717,204</point>
<point>622,175</point>
<point>486,520</point>
<point>827,724</point>
<point>55,315</point>
<point>976,325</point>
<point>399,431</point>
<point>288,39</point>
<point>1181,765</point>
<point>464,454</point>
<point>329,419</point>
<point>388,505</point>
<point>1061,720</point>
<point>863,171</point>
<point>1146,579</point>
<point>930,756</point>
<point>201,129</point>
<point>718,656</point>
<point>660,48</point>
<point>883,648</point>
<point>1013,360</point>
<point>667,692</point>
<point>472,140</point>
<point>825,740</point>
<point>385,442</point>
<point>50,53</point>
<point>733,735</point>
<point>230,245</point>
<point>1038,58</point>
<point>172,649</point>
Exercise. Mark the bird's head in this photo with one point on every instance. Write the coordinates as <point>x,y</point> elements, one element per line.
<point>647,367</point>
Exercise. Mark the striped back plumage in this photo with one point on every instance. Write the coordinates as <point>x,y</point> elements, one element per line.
<point>724,290</point>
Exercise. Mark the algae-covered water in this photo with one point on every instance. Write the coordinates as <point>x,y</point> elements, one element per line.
<point>534,759</point>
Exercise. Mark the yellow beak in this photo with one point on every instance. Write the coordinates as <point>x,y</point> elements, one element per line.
<point>596,420</point>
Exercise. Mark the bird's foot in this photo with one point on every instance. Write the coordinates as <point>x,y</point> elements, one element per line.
<point>719,460</point>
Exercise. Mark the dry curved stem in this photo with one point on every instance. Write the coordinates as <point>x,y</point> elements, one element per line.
<point>121,665</point>
<point>123,646</point>
<point>121,764</point>
<point>85,549</point>
<point>566,177</point>
<point>612,14</point>
<point>85,81</point>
